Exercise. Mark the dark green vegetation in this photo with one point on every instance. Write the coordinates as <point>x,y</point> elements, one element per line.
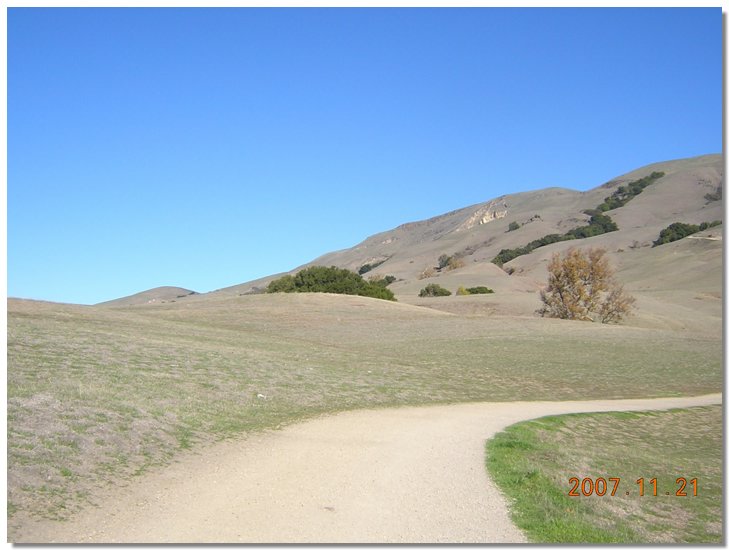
<point>678,230</point>
<point>448,263</point>
<point>478,290</point>
<point>369,267</point>
<point>96,395</point>
<point>513,226</point>
<point>330,279</point>
<point>715,196</point>
<point>597,225</point>
<point>433,290</point>
<point>387,280</point>
<point>533,461</point>
<point>625,193</point>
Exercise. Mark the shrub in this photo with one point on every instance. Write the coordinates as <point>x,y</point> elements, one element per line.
<point>598,224</point>
<point>623,194</point>
<point>715,196</point>
<point>443,260</point>
<point>330,279</point>
<point>479,290</point>
<point>678,230</point>
<point>434,290</point>
<point>582,286</point>
<point>462,291</point>
<point>283,284</point>
<point>450,263</point>
<point>455,263</point>
<point>382,281</point>
<point>513,226</point>
<point>369,267</point>
<point>427,273</point>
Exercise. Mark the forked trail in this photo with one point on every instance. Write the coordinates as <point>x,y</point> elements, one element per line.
<point>411,474</point>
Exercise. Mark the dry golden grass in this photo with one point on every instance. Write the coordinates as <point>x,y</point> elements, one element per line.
<point>96,395</point>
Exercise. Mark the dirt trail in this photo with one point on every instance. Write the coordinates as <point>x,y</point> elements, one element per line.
<point>396,475</point>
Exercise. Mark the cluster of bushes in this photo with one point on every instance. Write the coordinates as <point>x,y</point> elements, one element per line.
<point>473,290</point>
<point>387,280</point>
<point>625,193</point>
<point>436,290</point>
<point>715,196</point>
<point>678,230</point>
<point>427,273</point>
<point>369,267</point>
<point>445,263</point>
<point>599,223</point>
<point>330,279</point>
<point>450,262</point>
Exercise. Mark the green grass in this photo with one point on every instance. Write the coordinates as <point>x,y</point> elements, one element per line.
<point>533,461</point>
<point>108,393</point>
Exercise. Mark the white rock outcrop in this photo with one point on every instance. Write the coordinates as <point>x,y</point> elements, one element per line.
<point>493,210</point>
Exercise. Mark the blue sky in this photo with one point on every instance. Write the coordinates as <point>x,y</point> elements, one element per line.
<point>203,148</point>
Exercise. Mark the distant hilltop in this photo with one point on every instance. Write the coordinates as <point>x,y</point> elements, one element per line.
<point>687,191</point>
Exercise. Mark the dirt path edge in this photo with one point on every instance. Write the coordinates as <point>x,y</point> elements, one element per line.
<point>411,474</point>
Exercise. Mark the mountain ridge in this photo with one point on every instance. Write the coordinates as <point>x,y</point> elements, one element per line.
<point>479,231</point>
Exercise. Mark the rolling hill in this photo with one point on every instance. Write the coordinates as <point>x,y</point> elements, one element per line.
<point>677,285</point>
<point>666,279</point>
<point>160,294</point>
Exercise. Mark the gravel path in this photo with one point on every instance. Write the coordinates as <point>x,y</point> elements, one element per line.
<point>412,474</point>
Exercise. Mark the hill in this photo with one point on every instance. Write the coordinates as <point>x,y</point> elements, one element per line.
<point>160,294</point>
<point>477,233</point>
<point>689,191</point>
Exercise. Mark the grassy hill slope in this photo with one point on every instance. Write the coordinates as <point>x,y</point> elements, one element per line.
<point>479,232</point>
<point>98,394</point>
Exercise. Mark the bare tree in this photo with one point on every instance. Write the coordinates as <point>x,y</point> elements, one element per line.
<point>582,286</point>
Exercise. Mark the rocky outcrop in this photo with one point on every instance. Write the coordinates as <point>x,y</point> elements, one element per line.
<point>493,210</point>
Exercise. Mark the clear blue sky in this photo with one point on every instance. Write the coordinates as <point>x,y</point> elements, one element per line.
<point>203,148</point>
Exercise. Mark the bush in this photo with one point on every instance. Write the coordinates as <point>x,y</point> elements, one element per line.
<point>479,290</point>
<point>582,286</point>
<point>427,273</point>
<point>455,263</point>
<point>598,224</point>
<point>450,263</point>
<point>330,279</point>
<point>715,196</point>
<point>369,267</point>
<point>678,230</point>
<point>513,226</point>
<point>434,290</point>
<point>382,281</point>
<point>624,194</point>
<point>462,291</point>
<point>284,284</point>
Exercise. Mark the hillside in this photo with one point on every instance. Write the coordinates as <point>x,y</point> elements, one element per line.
<point>479,232</point>
<point>154,295</point>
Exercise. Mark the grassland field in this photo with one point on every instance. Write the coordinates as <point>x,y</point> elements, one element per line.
<point>98,395</point>
<point>533,461</point>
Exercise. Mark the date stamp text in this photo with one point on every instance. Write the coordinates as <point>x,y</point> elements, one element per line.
<point>600,486</point>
